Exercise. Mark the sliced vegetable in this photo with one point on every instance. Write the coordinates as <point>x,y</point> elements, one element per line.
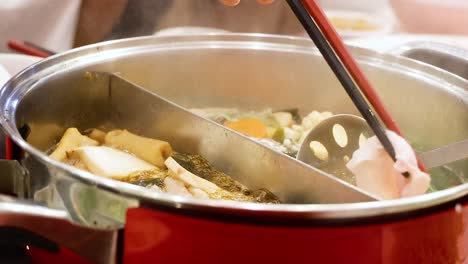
<point>71,140</point>
<point>151,150</point>
<point>229,188</point>
<point>265,116</point>
<point>295,114</point>
<point>189,178</point>
<point>199,166</point>
<point>314,118</point>
<point>151,177</point>
<point>249,127</point>
<point>284,119</point>
<point>175,186</point>
<point>198,193</point>
<point>279,135</point>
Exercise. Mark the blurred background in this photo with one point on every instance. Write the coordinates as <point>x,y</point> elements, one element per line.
<point>143,17</point>
<point>60,25</point>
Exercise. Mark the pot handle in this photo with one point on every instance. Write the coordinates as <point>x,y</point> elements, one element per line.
<point>448,58</point>
<point>46,228</point>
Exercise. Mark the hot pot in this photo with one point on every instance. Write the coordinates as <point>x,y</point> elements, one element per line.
<point>109,221</point>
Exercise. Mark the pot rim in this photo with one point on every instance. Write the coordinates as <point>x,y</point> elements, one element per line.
<point>339,212</point>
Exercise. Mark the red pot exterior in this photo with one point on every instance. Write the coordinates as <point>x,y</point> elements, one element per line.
<point>38,256</point>
<point>159,237</point>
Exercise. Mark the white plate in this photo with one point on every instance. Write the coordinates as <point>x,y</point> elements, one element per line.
<point>382,25</point>
<point>11,64</point>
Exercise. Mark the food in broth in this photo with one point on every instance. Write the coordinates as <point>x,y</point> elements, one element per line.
<point>373,168</point>
<point>377,173</point>
<point>283,130</point>
<point>124,156</point>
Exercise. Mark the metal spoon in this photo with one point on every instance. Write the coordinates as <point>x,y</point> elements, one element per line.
<point>340,146</point>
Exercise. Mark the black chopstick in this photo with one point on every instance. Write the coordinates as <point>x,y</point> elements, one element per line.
<point>342,74</point>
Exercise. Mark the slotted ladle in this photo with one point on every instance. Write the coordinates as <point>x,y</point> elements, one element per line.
<point>347,71</point>
<point>331,144</point>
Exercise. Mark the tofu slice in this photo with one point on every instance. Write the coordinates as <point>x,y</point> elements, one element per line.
<point>109,162</point>
<point>96,134</point>
<point>71,139</point>
<point>151,150</point>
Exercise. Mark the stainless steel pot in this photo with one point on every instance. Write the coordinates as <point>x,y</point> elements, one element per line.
<point>228,70</point>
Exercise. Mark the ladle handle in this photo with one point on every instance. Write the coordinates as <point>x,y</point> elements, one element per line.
<point>446,154</point>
